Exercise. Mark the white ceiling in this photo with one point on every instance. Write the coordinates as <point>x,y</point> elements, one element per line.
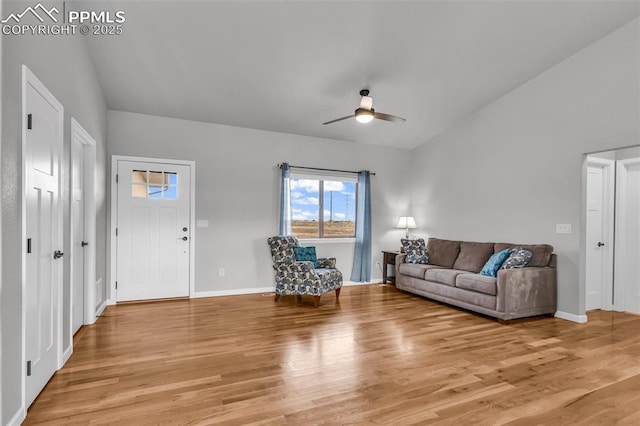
<point>289,66</point>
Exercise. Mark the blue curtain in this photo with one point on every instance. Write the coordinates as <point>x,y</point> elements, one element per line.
<point>285,205</point>
<point>361,271</point>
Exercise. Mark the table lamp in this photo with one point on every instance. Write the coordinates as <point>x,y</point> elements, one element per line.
<point>406,223</point>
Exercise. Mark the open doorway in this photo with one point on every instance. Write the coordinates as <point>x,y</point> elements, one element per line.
<point>612,232</point>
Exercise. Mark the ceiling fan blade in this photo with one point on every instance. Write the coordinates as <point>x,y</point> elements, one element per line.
<point>366,102</point>
<point>339,119</point>
<point>389,117</point>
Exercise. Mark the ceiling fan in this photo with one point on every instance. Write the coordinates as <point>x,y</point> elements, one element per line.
<point>365,113</point>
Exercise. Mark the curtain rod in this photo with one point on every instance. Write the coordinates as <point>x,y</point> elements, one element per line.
<point>324,170</point>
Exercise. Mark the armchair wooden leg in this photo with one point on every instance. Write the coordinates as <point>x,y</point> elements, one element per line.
<point>316,301</point>
<point>338,293</point>
<point>276,297</point>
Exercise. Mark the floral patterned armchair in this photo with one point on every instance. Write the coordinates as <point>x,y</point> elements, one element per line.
<point>300,278</point>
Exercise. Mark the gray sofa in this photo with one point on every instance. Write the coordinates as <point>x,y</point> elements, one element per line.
<point>452,277</point>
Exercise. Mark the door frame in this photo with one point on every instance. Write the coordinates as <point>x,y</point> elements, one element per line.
<point>621,216</point>
<point>608,222</point>
<point>81,139</point>
<point>114,215</point>
<point>29,78</point>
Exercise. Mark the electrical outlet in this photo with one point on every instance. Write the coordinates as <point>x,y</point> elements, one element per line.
<point>221,272</point>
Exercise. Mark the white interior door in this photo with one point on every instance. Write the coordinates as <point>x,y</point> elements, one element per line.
<point>595,240</point>
<point>153,230</point>
<point>627,276</point>
<point>42,147</point>
<point>78,241</point>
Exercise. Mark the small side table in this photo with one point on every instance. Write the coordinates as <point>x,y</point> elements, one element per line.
<point>388,258</point>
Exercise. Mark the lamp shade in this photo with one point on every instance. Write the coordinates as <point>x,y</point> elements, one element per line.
<point>407,222</point>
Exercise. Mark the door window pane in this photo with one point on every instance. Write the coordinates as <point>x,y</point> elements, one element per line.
<point>154,185</point>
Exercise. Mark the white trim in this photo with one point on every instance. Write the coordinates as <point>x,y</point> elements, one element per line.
<point>80,136</point>
<point>68,352</point>
<point>217,293</point>
<point>355,283</point>
<point>29,78</point>
<point>18,417</point>
<point>100,309</point>
<point>350,240</point>
<point>571,317</point>
<point>114,214</point>
<point>255,290</point>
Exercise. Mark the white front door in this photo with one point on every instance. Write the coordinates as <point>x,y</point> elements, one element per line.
<point>42,148</point>
<point>627,275</point>
<point>153,230</point>
<point>78,241</point>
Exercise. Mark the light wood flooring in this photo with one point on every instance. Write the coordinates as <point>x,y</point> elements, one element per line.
<point>380,356</point>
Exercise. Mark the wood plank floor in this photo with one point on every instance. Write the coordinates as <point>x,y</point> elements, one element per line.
<point>380,356</point>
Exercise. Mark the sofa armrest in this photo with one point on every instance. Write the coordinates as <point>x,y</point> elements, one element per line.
<point>297,270</point>
<point>530,290</point>
<point>327,262</point>
<point>400,258</point>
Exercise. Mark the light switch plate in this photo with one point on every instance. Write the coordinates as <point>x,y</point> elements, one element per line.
<point>563,228</point>
<point>202,223</point>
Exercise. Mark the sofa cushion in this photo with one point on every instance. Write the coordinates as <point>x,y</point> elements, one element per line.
<point>518,258</point>
<point>443,276</point>
<point>473,256</point>
<point>415,270</point>
<point>415,250</point>
<point>479,283</point>
<point>540,253</point>
<point>490,269</point>
<point>443,252</point>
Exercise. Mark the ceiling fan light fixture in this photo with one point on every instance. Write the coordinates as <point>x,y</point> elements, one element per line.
<point>364,115</point>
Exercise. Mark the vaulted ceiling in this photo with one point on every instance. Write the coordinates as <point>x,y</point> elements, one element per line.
<point>289,66</point>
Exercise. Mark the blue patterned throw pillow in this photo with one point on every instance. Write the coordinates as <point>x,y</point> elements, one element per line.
<point>307,254</point>
<point>416,251</point>
<point>490,269</point>
<point>518,258</point>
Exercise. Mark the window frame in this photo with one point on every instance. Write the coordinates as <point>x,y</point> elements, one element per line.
<point>321,178</point>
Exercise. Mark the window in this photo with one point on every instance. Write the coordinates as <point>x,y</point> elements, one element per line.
<point>154,185</point>
<point>323,206</point>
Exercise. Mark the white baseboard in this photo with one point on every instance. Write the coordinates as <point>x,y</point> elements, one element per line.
<point>571,317</point>
<point>66,355</point>
<point>101,309</point>
<point>352,283</point>
<point>18,418</point>
<point>217,293</point>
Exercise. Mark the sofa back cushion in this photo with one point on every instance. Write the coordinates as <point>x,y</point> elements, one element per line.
<point>443,252</point>
<point>473,256</point>
<point>540,253</point>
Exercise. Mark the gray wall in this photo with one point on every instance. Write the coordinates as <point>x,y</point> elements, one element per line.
<point>62,64</point>
<point>237,189</point>
<point>514,169</point>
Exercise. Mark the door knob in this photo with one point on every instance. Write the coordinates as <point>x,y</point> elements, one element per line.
<point>57,254</point>
<point>600,243</point>
<point>84,244</point>
<point>183,238</point>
